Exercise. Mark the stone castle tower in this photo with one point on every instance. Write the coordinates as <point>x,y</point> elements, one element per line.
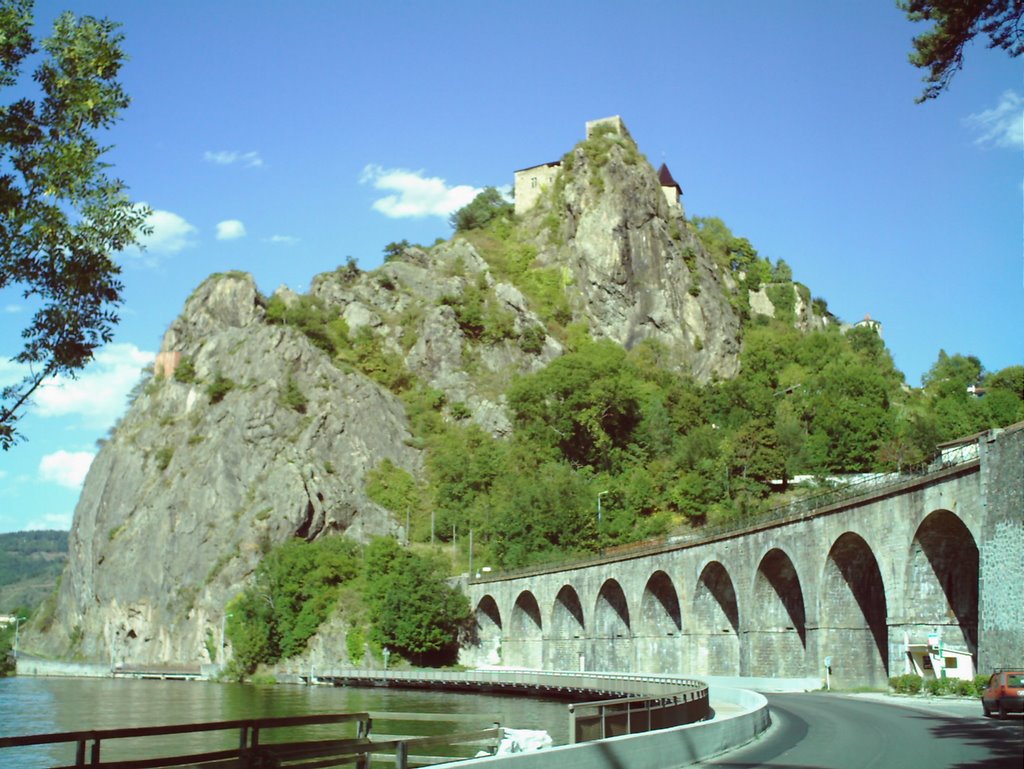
<point>530,182</point>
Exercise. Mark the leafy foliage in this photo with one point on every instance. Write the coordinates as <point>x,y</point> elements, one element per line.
<point>310,315</point>
<point>395,249</point>
<point>292,397</point>
<point>412,609</point>
<point>62,217</point>
<point>295,588</point>
<point>487,207</point>
<point>7,662</point>
<point>219,387</point>
<point>479,315</point>
<point>940,50</point>
<point>185,371</point>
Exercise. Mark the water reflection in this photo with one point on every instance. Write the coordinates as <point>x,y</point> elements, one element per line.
<point>42,705</point>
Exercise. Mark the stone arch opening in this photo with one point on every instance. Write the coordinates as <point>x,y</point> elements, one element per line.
<point>659,625</point>
<point>942,590</point>
<point>853,615</point>
<point>659,608</point>
<point>612,645</point>
<point>566,632</point>
<point>777,636</point>
<point>567,614</point>
<point>523,641</point>
<point>487,613</point>
<point>716,623</point>
<point>487,631</point>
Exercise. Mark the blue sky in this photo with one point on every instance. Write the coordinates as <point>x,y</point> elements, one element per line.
<point>282,137</point>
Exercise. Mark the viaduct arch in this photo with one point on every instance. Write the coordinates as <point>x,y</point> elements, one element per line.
<point>862,581</point>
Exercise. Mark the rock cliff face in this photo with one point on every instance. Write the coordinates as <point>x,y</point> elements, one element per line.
<point>249,432</point>
<point>182,501</point>
<point>638,270</point>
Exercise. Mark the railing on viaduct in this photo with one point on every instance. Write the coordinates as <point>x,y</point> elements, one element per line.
<point>861,575</point>
<point>837,496</point>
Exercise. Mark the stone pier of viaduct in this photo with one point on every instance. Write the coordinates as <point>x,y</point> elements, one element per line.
<point>938,554</point>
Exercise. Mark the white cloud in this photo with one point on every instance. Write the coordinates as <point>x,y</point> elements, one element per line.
<point>415,196</point>
<point>170,234</point>
<point>65,468</point>
<point>12,308</point>
<point>98,394</point>
<point>232,157</point>
<point>1001,126</point>
<point>230,229</point>
<point>287,240</point>
<point>60,521</point>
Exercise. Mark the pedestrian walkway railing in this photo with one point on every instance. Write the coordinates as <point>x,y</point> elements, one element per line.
<point>634,715</point>
<point>831,498</point>
<point>348,742</point>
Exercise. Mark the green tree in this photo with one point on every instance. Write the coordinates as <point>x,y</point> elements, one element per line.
<point>294,590</point>
<point>586,404</point>
<point>487,207</point>
<point>940,50</point>
<point>61,216</point>
<point>539,511</point>
<point>414,611</point>
<point>394,250</point>
<point>7,633</point>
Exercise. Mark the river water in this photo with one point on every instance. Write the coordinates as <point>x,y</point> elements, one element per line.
<point>43,705</point>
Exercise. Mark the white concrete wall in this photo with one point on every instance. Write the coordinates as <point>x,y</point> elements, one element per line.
<point>662,749</point>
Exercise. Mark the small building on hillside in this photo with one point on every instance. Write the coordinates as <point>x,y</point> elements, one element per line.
<point>871,323</point>
<point>532,181</point>
<point>669,186</point>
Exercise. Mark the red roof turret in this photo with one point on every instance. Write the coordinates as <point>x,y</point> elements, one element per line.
<point>666,180</point>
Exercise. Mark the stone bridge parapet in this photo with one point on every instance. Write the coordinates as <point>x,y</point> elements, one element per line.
<point>915,576</point>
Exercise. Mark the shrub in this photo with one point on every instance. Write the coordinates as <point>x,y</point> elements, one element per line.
<point>219,387</point>
<point>355,645</point>
<point>322,326</point>
<point>185,371</point>
<point>164,456</point>
<point>531,340</point>
<point>980,682</point>
<point>964,688</point>
<point>485,208</point>
<point>293,397</point>
<point>461,411</point>
<point>908,683</point>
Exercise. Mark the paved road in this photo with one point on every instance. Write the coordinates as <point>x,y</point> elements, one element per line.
<point>832,731</point>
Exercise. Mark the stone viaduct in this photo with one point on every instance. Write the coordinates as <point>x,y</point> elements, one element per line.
<point>860,581</point>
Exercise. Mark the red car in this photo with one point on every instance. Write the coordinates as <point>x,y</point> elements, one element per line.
<point>1005,693</point>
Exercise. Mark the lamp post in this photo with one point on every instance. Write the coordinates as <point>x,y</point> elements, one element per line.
<point>223,623</point>
<point>599,495</point>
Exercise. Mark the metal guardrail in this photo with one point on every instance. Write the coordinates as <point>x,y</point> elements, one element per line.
<point>614,684</point>
<point>630,704</point>
<point>634,715</point>
<point>822,503</point>
<point>252,753</point>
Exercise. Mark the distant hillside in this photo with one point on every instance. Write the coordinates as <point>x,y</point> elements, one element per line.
<point>30,564</point>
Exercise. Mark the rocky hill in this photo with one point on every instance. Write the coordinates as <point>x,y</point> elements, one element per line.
<point>264,415</point>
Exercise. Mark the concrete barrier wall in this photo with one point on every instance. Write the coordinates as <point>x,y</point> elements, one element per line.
<point>34,667</point>
<point>664,749</point>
